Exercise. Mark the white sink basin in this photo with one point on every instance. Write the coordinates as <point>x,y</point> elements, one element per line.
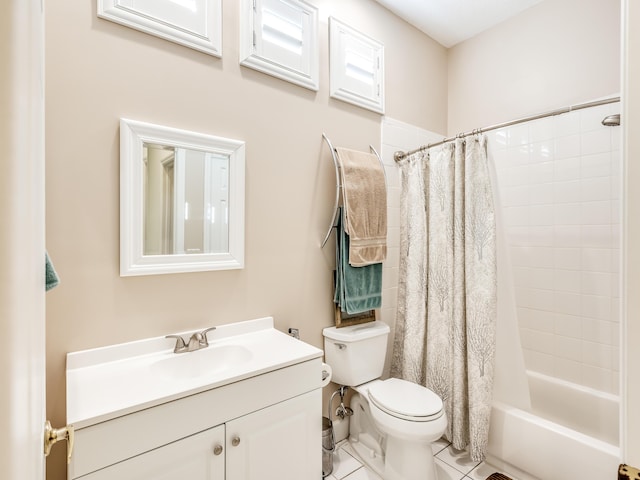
<point>112,381</point>
<point>207,361</point>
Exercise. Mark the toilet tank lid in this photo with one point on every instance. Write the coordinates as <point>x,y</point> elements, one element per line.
<point>355,333</point>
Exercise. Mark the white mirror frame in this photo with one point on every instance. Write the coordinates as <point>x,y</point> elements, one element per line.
<point>133,136</point>
<point>209,40</point>
<point>301,68</point>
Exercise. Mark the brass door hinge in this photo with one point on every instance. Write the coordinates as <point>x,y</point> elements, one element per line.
<point>54,435</point>
<point>625,472</point>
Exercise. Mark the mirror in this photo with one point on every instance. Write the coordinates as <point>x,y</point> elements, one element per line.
<point>181,200</point>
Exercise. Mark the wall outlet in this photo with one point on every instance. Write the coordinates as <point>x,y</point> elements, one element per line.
<point>295,333</point>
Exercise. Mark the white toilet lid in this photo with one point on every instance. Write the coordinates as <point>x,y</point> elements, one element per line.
<point>406,400</point>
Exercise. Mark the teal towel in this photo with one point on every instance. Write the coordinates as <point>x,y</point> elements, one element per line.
<point>358,289</point>
<point>51,277</point>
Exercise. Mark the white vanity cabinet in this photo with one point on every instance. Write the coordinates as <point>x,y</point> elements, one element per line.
<point>263,421</point>
<point>280,442</point>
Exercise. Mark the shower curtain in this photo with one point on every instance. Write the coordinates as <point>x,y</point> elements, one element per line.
<point>445,323</point>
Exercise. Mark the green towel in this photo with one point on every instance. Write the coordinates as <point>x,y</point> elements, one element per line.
<point>51,277</point>
<point>358,289</point>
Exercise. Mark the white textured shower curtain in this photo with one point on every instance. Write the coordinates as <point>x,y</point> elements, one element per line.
<point>445,324</point>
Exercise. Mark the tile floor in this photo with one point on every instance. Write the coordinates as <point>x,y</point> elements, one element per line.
<point>451,465</point>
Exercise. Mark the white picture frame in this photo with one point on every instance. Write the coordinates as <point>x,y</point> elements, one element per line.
<point>356,67</point>
<point>280,38</point>
<point>195,24</point>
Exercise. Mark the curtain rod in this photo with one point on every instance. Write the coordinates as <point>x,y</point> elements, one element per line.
<point>399,155</point>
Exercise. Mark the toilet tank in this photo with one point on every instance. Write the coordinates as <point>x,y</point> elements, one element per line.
<point>356,353</point>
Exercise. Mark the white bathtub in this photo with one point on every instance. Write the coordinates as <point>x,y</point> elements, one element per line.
<point>571,432</point>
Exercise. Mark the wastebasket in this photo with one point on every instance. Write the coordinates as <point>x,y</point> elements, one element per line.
<point>328,446</point>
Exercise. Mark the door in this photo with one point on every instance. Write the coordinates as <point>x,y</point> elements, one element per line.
<point>22,338</point>
<point>281,442</point>
<point>198,457</point>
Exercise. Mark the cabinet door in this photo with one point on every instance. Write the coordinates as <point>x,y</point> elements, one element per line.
<point>281,442</point>
<point>194,458</point>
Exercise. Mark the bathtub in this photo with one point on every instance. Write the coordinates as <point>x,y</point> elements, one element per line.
<point>570,432</point>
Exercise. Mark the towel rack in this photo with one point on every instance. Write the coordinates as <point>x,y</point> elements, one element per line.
<point>336,204</point>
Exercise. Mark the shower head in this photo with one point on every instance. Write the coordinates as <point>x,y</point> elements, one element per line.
<point>611,120</point>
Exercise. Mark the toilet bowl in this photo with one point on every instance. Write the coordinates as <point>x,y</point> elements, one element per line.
<point>395,421</point>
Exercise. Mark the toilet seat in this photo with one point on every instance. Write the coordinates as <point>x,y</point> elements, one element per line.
<point>406,400</point>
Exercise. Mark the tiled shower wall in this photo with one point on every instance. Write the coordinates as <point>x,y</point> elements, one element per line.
<point>559,184</point>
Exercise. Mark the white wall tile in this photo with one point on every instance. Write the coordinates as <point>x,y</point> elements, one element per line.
<point>597,141</point>
<point>599,331</point>
<point>567,192</point>
<point>597,378</point>
<point>596,165</point>
<point>567,214</point>
<point>541,214</point>
<point>568,370</point>
<point>541,194</point>
<point>593,189</point>
<point>596,306</point>
<point>568,348</point>
<point>567,303</point>
<point>597,236</point>
<point>566,147</point>
<point>541,172</point>
<point>597,259</point>
<point>518,135</point>
<point>597,354</point>
<point>566,280</point>
<point>565,169</point>
<point>566,124</point>
<point>596,283</point>
<point>568,325</point>
<point>542,129</point>
<point>542,152</point>
<point>567,258</point>
<point>597,212</point>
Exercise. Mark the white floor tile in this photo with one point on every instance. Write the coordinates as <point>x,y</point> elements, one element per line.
<point>447,472</point>
<point>439,445</point>
<point>362,474</point>
<point>344,464</point>
<point>458,459</point>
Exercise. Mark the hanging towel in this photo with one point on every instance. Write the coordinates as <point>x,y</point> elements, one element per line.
<point>365,206</point>
<point>358,289</point>
<point>51,277</point>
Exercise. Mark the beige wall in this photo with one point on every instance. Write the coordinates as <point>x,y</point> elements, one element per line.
<point>555,54</point>
<point>98,71</point>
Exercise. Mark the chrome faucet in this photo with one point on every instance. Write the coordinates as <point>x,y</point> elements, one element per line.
<point>197,341</point>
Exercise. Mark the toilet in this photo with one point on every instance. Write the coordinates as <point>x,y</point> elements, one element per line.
<point>394,421</point>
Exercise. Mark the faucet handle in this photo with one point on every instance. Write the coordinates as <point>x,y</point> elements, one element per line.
<point>180,345</point>
<point>204,342</point>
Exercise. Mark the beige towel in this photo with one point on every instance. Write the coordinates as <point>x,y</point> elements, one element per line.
<point>365,206</point>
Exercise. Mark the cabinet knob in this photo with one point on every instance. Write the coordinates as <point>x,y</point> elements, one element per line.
<point>217,450</point>
<point>235,441</point>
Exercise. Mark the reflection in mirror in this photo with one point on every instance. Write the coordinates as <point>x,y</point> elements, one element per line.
<point>186,201</point>
<point>181,200</point>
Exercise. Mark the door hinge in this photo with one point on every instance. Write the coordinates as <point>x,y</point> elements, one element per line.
<point>625,472</point>
<point>54,435</point>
